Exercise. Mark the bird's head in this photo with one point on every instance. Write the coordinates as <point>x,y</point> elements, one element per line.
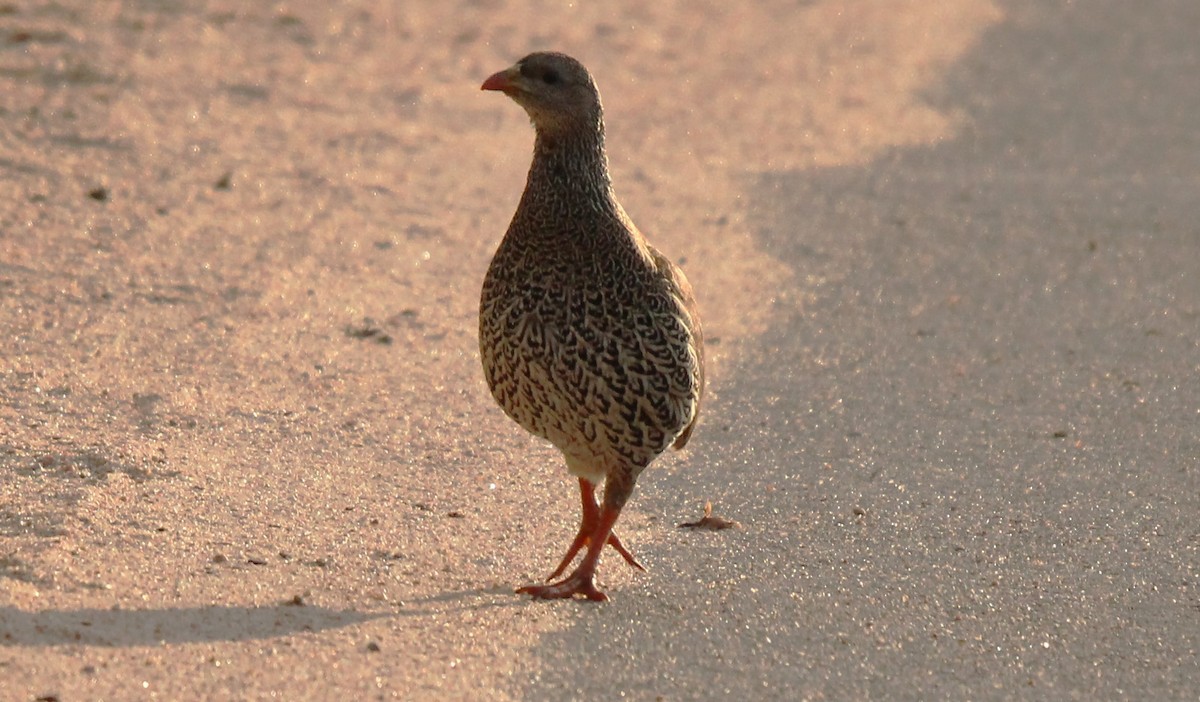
<point>555,89</point>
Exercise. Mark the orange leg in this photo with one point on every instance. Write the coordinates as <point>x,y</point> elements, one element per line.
<point>588,527</point>
<point>580,581</point>
<point>595,532</point>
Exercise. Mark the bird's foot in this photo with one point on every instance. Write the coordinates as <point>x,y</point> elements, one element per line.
<point>620,548</point>
<point>583,538</point>
<point>574,584</point>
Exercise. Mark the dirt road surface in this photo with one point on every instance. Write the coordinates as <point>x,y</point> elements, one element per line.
<point>948,258</point>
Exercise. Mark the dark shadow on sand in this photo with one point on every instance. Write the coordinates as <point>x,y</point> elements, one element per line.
<point>173,625</point>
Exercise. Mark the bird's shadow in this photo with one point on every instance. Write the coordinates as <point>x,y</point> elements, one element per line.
<point>475,599</point>
<point>148,627</point>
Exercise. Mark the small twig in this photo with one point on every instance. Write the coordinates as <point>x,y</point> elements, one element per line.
<point>710,522</point>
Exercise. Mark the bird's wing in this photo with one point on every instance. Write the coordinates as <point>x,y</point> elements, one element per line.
<point>681,290</point>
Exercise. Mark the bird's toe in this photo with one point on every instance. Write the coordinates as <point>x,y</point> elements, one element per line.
<point>574,584</point>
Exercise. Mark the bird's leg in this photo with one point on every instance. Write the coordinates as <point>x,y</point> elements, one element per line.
<point>587,527</point>
<point>580,581</point>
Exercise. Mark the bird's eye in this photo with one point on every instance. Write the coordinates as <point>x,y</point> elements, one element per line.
<point>550,77</point>
<point>523,70</point>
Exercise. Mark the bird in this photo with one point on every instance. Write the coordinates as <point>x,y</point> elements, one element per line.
<point>589,337</point>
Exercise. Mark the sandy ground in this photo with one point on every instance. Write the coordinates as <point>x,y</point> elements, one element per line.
<point>947,254</point>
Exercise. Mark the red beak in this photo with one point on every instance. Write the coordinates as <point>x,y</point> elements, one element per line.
<point>501,81</point>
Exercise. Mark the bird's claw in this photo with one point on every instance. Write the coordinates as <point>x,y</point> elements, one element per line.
<point>570,586</point>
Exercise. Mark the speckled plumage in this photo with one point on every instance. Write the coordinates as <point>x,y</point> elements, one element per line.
<point>589,337</point>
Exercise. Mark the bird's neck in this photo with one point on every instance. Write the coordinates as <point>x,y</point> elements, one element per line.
<point>570,169</point>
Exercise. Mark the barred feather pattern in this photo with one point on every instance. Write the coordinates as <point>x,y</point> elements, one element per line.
<point>589,336</point>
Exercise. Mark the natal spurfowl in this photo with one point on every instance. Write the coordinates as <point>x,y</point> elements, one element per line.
<point>589,336</point>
